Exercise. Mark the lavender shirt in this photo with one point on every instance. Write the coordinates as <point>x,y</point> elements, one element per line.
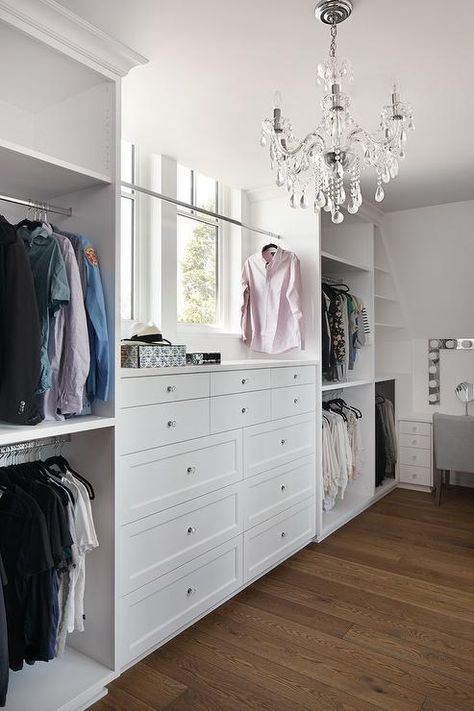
<point>272,318</point>
<point>68,346</point>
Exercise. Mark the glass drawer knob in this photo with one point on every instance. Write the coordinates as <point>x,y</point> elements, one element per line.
<point>244,410</point>
<point>283,442</point>
<point>191,530</point>
<point>283,534</point>
<point>191,470</point>
<point>414,441</point>
<point>171,388</point>
<point>244,381</point>
<point>283,487</point>
<point>295,376</point>
<point>296,401</point>
<point>190,591</point>
<point>171,423</point>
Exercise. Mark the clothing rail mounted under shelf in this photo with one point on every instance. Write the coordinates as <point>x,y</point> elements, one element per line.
<point>201,210</point>
<point>38,205</point>
<point>33,445</point>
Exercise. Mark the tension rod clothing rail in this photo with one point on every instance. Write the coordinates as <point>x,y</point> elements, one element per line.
<point>38,205</point>
<point>33,445</point>
<point>201,210</point>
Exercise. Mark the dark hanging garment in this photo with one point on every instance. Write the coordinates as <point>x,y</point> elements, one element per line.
<point>19,332</point>
<point>3,641</point>
<point>380,451</point>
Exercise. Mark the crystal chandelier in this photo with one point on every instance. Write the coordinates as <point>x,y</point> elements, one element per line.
<point>326,165</point>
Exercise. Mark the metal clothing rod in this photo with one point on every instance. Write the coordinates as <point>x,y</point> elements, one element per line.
<point>193,208</point>
<point>38,205</point>
<point>33,444</point>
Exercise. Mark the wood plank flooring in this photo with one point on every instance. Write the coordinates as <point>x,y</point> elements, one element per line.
<point>378,616</point>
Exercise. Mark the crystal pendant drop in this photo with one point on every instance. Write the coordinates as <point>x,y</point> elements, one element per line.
<point>289,185</point>
<point>320,199</point>
<point>342,196</point>
<point>280,179</point>
<point>386,176</point>
<point>403,136</point>
<point>379,193</point>
<point>394,168</point>
<point>292,200</point>
<point>411,125</point>
<point>339,170</point>
<point>263,140</point>
<point>303,201</point>
<point>337,217</point>
<point>328,205</point>
<point>401,154</point>
<point>353,207</point>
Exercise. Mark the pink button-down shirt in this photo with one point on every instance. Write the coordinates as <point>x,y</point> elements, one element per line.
<point>272,318</point>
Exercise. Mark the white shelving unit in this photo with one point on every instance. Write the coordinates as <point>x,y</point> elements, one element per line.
<point>60,142</point>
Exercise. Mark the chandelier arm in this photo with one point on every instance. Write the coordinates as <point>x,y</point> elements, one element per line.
<point>318,141</point>
<point>358,135</point>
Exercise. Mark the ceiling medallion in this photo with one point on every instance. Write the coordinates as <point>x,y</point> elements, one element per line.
<point>325,166</point>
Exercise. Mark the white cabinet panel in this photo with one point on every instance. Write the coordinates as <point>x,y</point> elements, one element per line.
<point>278,538</point>
<point>229,412</point>
<point>299,375</point>
<point>156,425</point>
<point>160,543</point>
<point>421,428</point>
<point>240,381</point>
<point>270,493</point>
<point>415,457</point>
<point>163,388</point>
<point>293,400</point>
<point>275,443</point>
<point>414,440</point>
<point>156,611</point>
<point>415,475</point>
<point>156,479</point>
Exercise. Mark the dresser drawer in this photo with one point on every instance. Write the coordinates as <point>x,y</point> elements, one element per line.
<point>270,493</point>
<point>156,479</point>
<point>156,425</point>
<point>276,443</point>
<point>301,375</point>
<point>414,440</point>
<point>419,428</point>
<point>163,388</point>
<point>415,457</point>
<point>276,539</point>
<point>293,400</point>
<point>240,381</point>
<point>415,475</point>
<point>160,543</point>
<point>228,412</point>
<point>164,607</point>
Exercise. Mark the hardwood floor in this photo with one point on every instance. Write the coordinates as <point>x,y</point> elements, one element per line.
<point>378,616</point>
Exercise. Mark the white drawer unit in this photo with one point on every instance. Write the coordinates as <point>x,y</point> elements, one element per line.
<point>415,457</point>
<point>299,375</point>
<point>156,425</point>
<point>418,428</point>
<point>163,388</point>
<point>162,608</point>
<point>156,479</point>
<point>270,493</point>
<point>229,412</point>
<point>275,443</point>
<point>414,440</point>
<point>293,400</point>
<point>276,539</point>
<point>415,475</point>
<point>240,381</point>
<point>157,544</point>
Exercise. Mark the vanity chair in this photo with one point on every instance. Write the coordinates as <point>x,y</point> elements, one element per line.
<point>453,448</point>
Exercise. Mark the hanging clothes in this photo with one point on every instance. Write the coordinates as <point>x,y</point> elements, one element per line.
<point>343,330</point>
<point>20,340</point>
<point>341,450</point>
<point>99,378</point>
<point>4,671</point>
<point>68,349</point>
<point>272,307</point>
<point>41,511</point>
<point>386,446</point>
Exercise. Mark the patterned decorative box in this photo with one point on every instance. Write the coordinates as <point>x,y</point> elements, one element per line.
<point>146,355</point>
<point>203,358</point>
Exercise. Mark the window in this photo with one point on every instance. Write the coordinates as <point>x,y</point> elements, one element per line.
<point>127,248</point>
<point>197,250</point>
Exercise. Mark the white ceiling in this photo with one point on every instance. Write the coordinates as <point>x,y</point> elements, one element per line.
<point>214,65</point>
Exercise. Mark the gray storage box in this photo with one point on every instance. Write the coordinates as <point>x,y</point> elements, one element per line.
<point>146,355</point>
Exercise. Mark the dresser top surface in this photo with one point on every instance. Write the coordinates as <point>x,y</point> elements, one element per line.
<point>228,365</point>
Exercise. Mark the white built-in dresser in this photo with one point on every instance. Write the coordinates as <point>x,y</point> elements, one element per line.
<point>216,486</point>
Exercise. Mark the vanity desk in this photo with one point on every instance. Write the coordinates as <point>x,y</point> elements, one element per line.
<point>416,460</point>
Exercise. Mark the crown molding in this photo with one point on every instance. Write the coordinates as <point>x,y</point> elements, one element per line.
<point>55,25</point>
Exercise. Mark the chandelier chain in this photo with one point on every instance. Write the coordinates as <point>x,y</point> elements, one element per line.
<point>332,46</point>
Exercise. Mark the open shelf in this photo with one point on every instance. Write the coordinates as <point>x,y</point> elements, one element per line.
<point>355,500</point>
<point>389,325</point>
<point>25,433</point>
<point>338,265</point>
<point>386,298</point>
<point>384,270</point>
<point>344,384</point>
<point>58,684</point>
<point>30,174</point>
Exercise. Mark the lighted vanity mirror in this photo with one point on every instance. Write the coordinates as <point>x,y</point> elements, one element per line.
<point>465,393</point>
